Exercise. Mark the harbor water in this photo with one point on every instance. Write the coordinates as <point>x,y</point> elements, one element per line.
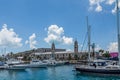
<point>66,72</point>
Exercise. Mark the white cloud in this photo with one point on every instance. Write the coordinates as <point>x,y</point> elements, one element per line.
<point>97,48</point>
<point>96,5</point>
<point>56,34</point>
<point>94,2</point>
<point>114,10</point>
<point>110,2</point>
<point>32,41</point>
<point>8,38</point>
<point>55,30</point>
<point>52,37</point>
<point>67,40</point>
<point>98,8</point>
<point>113,47</point>
<point>68,50</point>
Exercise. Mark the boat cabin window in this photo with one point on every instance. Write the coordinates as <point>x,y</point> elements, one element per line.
<point>112,67</point>
<point>108,67</point>
<point>35,61</point>
<point>98,63</point>
<point>115,67</point>
<point>44,61</point>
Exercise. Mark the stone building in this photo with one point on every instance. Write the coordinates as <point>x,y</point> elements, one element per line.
<point>76,46</point>
<point>60,55</point>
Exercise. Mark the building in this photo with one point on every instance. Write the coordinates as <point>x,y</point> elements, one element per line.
<point>76,46</point>
<point>61,54</point>
<point>47,53</point>
<point>48,50</point>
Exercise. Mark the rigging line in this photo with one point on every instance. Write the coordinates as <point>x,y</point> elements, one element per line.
<point>84,42</point>
<point>86,48</point>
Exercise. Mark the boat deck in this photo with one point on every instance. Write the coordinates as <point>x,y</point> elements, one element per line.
<point>114,67</point>
<point>115,70</point>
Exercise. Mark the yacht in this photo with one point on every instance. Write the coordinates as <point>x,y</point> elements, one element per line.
<point>14,64</point>
<point>14,61</point>
<point>108,69</point>
<point>17,64</point>
<point>100,67</point>
<point>37,64</point>
<point>53,62</point>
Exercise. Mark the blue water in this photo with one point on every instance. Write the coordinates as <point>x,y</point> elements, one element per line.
<point>52,73</point>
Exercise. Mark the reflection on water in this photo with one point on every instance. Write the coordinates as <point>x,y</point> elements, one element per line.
<point>36,73</point>
<point>50,73</point>
<point>95,77</point>
<point>10,74</point>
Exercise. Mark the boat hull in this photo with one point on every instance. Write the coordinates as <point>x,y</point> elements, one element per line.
<point>99,71</point>
<point>30,66</point>
<point>37,66</point>
<point>15,69</point>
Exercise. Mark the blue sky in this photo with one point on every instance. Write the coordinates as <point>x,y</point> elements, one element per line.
<point>35,17</point>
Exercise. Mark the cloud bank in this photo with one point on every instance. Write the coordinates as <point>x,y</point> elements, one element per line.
<point>56,34</point>
<point>32,42</point>
<point>8,38</point>
<point>96,5</point>
<point>97,48</point>
<point>113,47</point>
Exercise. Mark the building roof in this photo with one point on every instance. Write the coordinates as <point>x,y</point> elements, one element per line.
<point>63,52</point>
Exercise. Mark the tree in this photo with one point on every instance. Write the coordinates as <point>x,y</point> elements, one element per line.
<point>11,54</point>
<point>84,57</point>
<point>69,58</point>
<point>101,50</point>
<point>76,57</point>
<point>26,58</point>
<point>106,54</point>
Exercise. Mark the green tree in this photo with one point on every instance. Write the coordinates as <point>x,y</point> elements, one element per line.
<point>101,50</point>
<point>26,58</point>
<point>76,57</point>
<point>106,54</point>
<point>84,57</point>
<point>69,58</point>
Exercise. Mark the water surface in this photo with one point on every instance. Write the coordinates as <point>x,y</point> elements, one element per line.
<point>65,72</point>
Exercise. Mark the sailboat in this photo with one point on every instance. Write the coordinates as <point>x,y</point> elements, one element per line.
<point>102,70</point>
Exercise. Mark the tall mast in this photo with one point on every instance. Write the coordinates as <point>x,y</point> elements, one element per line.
<point>118,31</point>
<point>88,32</point>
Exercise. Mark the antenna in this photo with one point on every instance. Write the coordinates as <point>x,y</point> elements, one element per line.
<point>118,31</point>
<point>88,32</point>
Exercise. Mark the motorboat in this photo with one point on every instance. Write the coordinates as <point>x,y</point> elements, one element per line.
<point>14,64</point>
<point>37,64</point>
<point>53,62</point>
<point>14,61</point>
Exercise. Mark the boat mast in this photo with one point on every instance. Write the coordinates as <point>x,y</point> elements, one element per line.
<point>118,31</point>
<point>88,32</point>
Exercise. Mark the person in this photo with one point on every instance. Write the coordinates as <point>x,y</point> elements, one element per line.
<point>94,65</point>
<point>113,63</point>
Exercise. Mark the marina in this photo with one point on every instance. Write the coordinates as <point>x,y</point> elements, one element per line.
<point>107,69</point>
<point>70,40</point>
<point>65,72</point>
